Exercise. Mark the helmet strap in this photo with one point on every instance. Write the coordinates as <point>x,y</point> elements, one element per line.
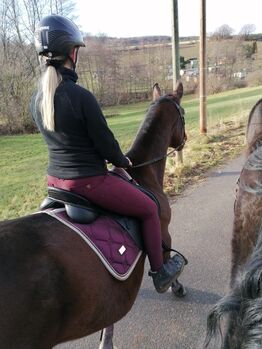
<point>75,57</point>
<point>72,62</point>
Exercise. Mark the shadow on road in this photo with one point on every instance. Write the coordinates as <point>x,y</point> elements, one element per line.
<point>224,173</point>
<point>194,296</point>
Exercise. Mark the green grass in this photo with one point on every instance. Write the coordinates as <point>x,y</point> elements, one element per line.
<point>23,158</point>
<point>23,163</point>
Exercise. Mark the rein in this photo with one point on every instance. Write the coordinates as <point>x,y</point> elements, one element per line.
<point>149,162</point>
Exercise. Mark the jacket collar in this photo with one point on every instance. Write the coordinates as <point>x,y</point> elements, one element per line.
<point>68,74</point>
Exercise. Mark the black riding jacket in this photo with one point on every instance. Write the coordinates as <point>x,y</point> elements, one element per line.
<point>82,141</point>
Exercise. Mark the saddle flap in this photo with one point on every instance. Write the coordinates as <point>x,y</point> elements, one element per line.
<point>133,227</point>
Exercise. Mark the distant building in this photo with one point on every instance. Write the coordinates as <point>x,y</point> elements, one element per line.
<point>193,62</point>
<point>240,74</point>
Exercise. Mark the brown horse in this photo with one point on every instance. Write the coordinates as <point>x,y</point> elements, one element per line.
<point>53,286</point>
<point>243,305</point>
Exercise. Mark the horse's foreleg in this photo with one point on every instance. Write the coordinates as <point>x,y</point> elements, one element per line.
<point>106,340</point>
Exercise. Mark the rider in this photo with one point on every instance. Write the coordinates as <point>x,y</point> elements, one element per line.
<point>80,142</point>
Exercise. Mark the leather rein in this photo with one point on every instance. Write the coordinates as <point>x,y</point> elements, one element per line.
<point>181,114</point>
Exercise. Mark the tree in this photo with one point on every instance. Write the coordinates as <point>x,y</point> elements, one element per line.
<point>250,50</point>
<point>225,58</point>
<point>18,59</point>
<point>4,26</point>
<point>246,30</point>
<point>223,32</point>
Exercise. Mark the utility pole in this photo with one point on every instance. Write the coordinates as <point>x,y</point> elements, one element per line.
<point>175,43</point>
<point>202,69</point>
<point>175,55</point>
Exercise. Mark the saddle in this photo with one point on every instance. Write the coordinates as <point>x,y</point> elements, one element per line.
<point>115,239</point>
<point>81,210</point>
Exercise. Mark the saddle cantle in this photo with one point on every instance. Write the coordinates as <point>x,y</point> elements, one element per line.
<point>77,207</point>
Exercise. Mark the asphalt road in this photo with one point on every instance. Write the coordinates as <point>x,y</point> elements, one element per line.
<point>201,229</point>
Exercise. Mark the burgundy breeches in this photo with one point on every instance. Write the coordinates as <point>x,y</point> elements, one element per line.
<point>117,195</point>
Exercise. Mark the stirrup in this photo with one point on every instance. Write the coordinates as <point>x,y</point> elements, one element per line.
<point>168,249</point>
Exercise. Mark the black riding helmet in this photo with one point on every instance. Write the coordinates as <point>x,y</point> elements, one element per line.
<point>56,35</point>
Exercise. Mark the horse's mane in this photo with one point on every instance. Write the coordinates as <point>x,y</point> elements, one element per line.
<point>252,144</point>
<point>254,158</point>
<point>243,306</point>
<point>252,111</point>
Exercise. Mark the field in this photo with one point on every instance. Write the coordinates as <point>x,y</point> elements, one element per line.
<point>23,158</point>
<point>191,49</point>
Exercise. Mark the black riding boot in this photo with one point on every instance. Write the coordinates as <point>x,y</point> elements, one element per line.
<point>169,272</point>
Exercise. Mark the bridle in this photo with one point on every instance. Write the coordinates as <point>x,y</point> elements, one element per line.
<point>181,113</point>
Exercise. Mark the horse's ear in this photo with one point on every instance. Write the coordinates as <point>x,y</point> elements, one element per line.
<point>156,92</point>
<point>179,90</point>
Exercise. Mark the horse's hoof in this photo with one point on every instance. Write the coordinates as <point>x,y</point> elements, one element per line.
<point>178,289</point>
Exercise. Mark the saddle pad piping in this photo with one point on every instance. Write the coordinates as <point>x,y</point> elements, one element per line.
<point>93,247</point>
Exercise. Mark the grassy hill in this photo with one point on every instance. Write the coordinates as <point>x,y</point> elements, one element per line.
<point>23,159</point>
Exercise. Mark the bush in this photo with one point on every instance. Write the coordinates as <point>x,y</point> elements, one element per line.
<point>254,78</point>
<point>190,85</point>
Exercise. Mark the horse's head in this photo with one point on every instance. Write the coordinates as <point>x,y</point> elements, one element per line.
<point>251,176</point>
<point>178,134</point>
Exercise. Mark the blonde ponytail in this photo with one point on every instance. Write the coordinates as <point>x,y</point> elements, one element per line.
<point>45,96</point>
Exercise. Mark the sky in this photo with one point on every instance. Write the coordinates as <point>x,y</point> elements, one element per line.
<point>128,18</point>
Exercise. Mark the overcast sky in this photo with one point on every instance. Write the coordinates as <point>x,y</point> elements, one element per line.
<point>127,18</point>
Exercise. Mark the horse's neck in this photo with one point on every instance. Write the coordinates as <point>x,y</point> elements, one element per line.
<point>146,147</point>
<point>254,145</point>
<point>254,156</point>
<point>150,176</point>
<point>254,126</point>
